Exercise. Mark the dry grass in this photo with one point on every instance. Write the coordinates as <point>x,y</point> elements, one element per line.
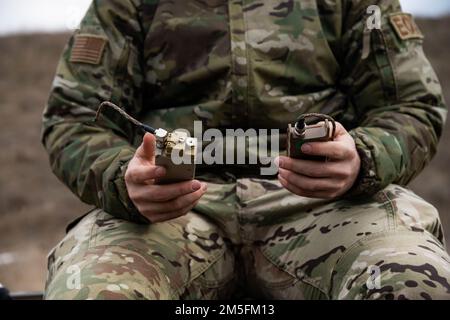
<point>35,207</point>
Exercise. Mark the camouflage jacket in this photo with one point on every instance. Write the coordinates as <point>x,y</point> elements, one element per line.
<point>240,63</point>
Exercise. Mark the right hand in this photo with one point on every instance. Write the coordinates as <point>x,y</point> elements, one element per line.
<point>158,202</point>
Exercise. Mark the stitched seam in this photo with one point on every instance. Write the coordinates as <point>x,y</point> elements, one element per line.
<point>93,238</point>
<point>122,63</point>
<point>390,208</point>
<point>239,211</point>
<point>389,57</point>
<point>305,279</point>
<point>247,57</point>
<point>231,25</point>
<point>214,284</point>
<point>293,280</point>
<point>199,272</point>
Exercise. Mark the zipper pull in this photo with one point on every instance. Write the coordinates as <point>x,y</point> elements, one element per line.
<point>367,43</point>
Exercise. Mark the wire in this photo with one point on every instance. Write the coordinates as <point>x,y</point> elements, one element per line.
<point>107,104</point>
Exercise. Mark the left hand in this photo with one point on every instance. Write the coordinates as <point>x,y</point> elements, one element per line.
<point>323,180</point>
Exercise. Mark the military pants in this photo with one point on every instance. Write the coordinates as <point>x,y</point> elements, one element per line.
<point>251,237</point>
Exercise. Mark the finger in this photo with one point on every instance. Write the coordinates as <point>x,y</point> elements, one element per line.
<point>294,189</point>
<point>146,150</point>
<point>339,149</point>
<point>314,169</point>
<point>343,136</point>
<point>334,150</point>
<point>340,130</point>
<point>307,183</point>
<point>173,205</point>
<point>163,193</point>
<point>172,215</point>
<point>304,193</point>
<point>141,174</point>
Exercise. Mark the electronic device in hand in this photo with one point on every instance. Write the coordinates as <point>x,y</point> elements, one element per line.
<point>312,127</point>
<point>169,146</point>
<point>175,145</point>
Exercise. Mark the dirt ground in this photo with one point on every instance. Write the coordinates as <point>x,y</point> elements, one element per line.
<point>35,207</point>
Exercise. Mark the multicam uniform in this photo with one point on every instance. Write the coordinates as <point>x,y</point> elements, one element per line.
<point>248,64</point>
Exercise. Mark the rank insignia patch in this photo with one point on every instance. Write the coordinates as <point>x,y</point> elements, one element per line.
<point>405,26</point>
<point>87,49</point>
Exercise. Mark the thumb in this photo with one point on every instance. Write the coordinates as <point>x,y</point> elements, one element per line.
<point>146,150</point>
<point>340,131</point>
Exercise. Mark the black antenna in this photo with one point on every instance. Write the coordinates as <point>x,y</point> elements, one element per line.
<point>107,104</point>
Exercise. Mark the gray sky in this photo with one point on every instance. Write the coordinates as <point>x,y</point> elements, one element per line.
<point>62,15</point>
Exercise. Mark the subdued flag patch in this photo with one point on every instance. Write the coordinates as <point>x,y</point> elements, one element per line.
<point>405,26</point>
<point>88,48</point>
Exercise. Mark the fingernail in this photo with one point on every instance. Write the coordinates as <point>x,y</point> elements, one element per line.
<point>278,162</point>
<point>160,172</point>
<point>196,185</point>
<point>205,186</point>
<point>306,148</point>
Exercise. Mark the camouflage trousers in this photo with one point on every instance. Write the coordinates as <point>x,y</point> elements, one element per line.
<point>250,236</point>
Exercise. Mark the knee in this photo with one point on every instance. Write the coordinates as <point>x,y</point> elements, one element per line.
<point>389,269</point>
<point>114,276</point>
<point>121,289</point>
<point>408,280</point>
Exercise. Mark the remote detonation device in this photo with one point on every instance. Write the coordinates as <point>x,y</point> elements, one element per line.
<point>175,151</point>
<point>311,127</point>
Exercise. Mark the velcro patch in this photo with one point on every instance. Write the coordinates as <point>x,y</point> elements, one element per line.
<point>405,26</point>
<point>88,49</point>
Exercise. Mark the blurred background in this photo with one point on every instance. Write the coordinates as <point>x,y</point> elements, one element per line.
<point>34,206</point>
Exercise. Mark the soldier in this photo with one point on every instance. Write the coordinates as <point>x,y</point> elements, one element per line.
<point>343,229</point>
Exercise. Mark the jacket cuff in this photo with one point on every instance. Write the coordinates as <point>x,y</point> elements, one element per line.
<point>368,182</point>
<point>122,206</point>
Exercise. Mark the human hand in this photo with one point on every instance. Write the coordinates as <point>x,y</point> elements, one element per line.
<point>323,180</point>
<point>158,202</point>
